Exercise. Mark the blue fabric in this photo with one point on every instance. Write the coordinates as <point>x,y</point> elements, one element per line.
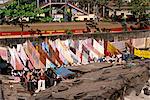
<point>45,47</point>
<point>64,72</point>
<point>52,66</point>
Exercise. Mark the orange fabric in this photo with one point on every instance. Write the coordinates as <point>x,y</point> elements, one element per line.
<point>55,54</point>
<point>43,56</point>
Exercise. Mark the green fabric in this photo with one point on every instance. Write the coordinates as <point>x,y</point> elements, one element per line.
<point>123,20</point>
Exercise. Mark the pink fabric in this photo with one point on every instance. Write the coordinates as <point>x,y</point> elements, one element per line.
<point>19,65</point>
<point>92,50</point>
<point>12,58</point>
<point>3,53</point>
<point>22,54</point>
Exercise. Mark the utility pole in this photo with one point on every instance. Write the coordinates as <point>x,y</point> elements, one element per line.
<point>37,3</point>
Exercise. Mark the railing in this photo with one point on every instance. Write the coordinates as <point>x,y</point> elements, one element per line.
<point>44,4</point>
<point>107,36</point>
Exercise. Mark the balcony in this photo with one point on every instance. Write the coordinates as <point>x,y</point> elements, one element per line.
<point>44,3</point>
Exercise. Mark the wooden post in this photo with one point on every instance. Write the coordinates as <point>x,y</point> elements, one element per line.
<point>88,8</point>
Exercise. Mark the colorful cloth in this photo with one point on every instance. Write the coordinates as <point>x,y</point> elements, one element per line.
<point>4,53</point>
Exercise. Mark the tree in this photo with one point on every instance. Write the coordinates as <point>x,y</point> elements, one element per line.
<point>23,9</point>
<point>119,3</point>
<point>139,6</point>
<point>16,11</point>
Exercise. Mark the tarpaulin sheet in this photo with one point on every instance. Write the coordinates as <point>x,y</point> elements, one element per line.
<point>64,72</point>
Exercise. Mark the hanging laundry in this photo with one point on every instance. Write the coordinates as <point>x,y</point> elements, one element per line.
<point>22,54</point>
<point>112,49</point>
<point>12,58</point>
<point>93,51</point>
<point>61,55</point>
<point>55,55</point>
<point>4,53</point>
<point>33,56</point>
<point>49,64</point>
<point>44,56</point>
<point>64,51</point>
<point>45,47</point>
<point>98,47</point>
<point>79,50</point>
<point>19,64</point>
<point>120,45</point>
<point>139,43</point>
<point>85,58</point>
<point>74,57</point>
<point>53,45</point>
<point>29,64</point>
<point>79,55</point>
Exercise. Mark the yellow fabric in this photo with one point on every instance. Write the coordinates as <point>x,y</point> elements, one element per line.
<point>112,49</point>
<point>142,53</point>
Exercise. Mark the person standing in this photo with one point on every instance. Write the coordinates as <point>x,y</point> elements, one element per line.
<point>123,22</point>
<point>41,81</point>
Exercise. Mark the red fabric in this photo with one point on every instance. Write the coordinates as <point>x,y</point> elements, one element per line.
<point>107,53</point>
<point>42,77</point>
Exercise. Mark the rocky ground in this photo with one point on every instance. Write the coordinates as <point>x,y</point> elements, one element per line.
<point>100,81</point>
<point>97,81</point>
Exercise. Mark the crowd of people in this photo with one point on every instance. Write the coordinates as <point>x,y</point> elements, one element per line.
<point>36,80</point>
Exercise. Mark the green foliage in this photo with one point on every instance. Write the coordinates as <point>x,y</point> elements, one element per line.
<point>15,10</point>
<point>23,10</point>
<point>139,6</point>
<point>69,32</point>
<point>119,3</point>
<point>46,19</point>
<point>62,20</point>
